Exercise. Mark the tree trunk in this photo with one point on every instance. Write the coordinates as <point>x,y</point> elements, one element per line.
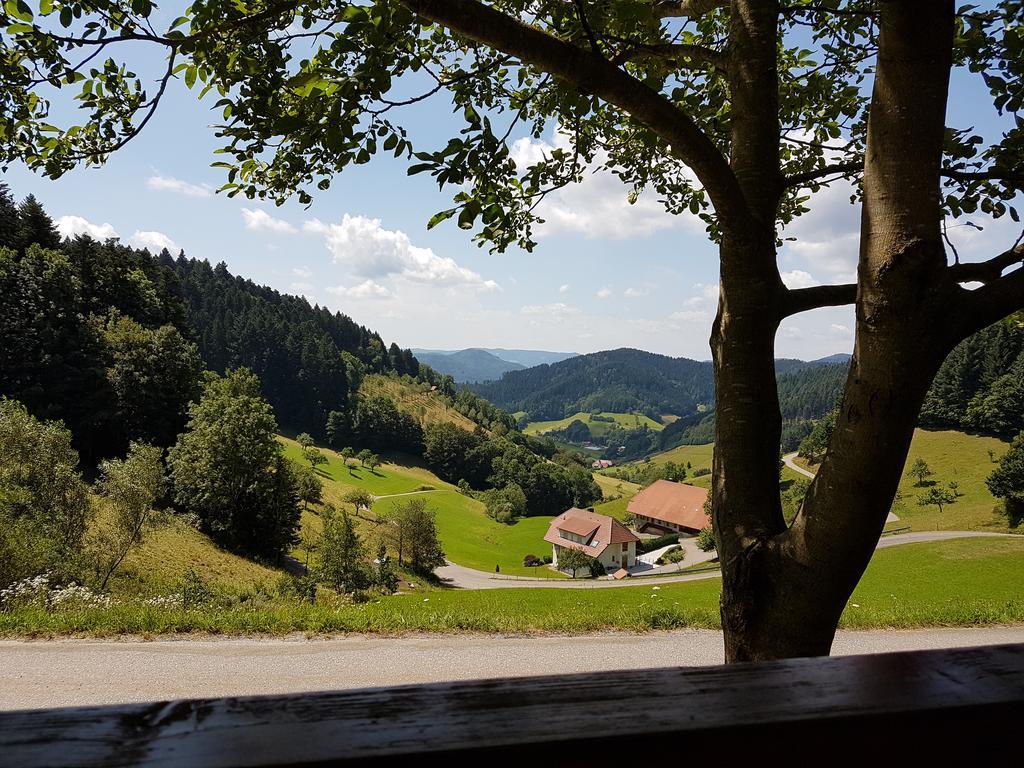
<point>784,590</point>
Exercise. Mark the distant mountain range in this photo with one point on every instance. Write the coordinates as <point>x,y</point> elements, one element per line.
<point>626,380</point>
<point>479,364</point>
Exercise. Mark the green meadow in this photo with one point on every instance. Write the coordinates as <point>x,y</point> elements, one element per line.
<point>970,582</point>
<point>598,427</point>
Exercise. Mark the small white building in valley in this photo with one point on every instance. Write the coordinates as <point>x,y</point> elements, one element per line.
<point>600,536</point>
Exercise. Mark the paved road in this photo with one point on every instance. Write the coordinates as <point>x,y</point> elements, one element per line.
<point>76,672</point>
<point>788,460</point>
<point>468,578</point>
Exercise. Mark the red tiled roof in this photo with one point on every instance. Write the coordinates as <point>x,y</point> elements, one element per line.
<point>670,502</point>
<point>579,525</point>
<point>605,530</point>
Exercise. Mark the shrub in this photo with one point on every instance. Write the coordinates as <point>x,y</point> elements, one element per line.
<point>701,472</point>
<point>301,588</point>
<point>532,561</point>
<point>706,540</point>
<point>672,556</point>
<point>194,590</point>
<point>649,545</point>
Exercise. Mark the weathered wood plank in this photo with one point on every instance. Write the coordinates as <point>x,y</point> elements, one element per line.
<point>946,705</point>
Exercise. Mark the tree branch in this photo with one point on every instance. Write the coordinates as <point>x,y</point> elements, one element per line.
<point>675,51</point>
<point>840,169</point>
<point>595,75</point>
<point>1000,296</point>
<point>992,174</point>
<point>797,300</point>
<point>987,271</point>
<point>690,9</point>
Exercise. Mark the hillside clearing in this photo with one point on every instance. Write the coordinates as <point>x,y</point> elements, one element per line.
<point>957,457</point>
<point>415,398</point>
<point>597,427</point>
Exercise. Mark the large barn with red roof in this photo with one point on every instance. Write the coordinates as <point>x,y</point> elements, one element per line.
<point>667,507</point>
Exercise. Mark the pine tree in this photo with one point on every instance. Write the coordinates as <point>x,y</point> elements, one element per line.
<point>35,226</point>
<point>10,224</point>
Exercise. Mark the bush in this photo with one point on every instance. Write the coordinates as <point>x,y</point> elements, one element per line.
<point>546,560</point>
<point>301,588</point>
<point>701,472</point>
<point>596,569</point>
<point>532,561</point>
<point>672,556</point>
<point>649,545</point>
<point>706,540</point>
<point>194,590</point>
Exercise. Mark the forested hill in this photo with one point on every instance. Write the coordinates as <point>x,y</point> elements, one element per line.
<point>310,360</point>
<point>619,380</point>
<point>626,380</point>
<point>980,386</point>
<point>113,340</point>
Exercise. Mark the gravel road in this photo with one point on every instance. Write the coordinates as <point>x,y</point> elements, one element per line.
<point>39,674</point>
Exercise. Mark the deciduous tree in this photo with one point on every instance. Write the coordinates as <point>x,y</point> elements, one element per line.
<point>228,468</point>
<point>44,504</point>
<point>736,110</point>
<point>131,487</point>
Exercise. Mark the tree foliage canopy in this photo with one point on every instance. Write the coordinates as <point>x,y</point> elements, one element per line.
<point>304,88</point>
<point>228,469</point>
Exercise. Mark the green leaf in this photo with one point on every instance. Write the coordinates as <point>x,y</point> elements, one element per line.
<point>437,218</point>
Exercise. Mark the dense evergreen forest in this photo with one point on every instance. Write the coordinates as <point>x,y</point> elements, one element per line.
<point>113,341</point>
<point>980,386</point>
<point>93,334</point>
<point>310,360</point>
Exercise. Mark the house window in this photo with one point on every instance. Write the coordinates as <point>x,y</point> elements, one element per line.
<point>625,547</point>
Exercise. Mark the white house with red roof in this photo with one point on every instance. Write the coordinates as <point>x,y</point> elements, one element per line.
<point>600,536</point>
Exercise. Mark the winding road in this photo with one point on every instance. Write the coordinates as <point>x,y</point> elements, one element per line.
<point>467,578</point>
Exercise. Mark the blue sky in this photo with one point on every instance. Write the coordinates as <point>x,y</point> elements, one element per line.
<point>605,274</point>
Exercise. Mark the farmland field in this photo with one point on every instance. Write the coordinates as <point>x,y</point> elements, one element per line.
<point>597,428</point>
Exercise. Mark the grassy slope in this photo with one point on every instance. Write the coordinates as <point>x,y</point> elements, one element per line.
<point>158,565</point>
<point>617,494</point>
<point>472,539</point>
<point>415,399</point>
<point>952,583</point>
<point>952,456</point>
<point>597,428</point>
<point>468,536</point>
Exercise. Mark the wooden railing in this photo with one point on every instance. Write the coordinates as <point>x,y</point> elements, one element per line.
<point>944,707</point>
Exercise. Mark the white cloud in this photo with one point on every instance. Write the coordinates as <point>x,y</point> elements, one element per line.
<point>154,241</point>
<point>303,289</point>
<point>842,330</point>
<point>556,309</point>
<point>70,226</point>
<point>368,250</point>
<point>635,293</point>
<point>303,272</point>
<point>799,279</point>
<point>261,221</point>
<point>691,316</point>
<point>604,293</point>
<point>564,288</point>
<point>171,184</point>
<point>597,207</point>
<point>368,289</point>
